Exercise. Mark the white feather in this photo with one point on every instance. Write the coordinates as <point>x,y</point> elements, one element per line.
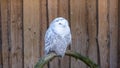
<point>58,36</point>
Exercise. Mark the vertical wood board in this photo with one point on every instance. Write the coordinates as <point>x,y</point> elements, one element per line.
<point>103,33</point>
<point>16,38</point>
<point>31,32</point>
<point>79,30</point>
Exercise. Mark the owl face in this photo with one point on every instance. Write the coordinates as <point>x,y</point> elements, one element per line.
<point>60,25</point>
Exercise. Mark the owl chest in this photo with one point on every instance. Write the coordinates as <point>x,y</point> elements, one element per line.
<point>62,31</point>
<point>59,42</point>
<point>59,39</point>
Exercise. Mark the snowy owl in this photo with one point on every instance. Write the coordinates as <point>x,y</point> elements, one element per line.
<point>57,37</point>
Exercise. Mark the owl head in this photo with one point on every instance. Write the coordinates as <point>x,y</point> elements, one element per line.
<point>60,25</point>
<point>59,22</point>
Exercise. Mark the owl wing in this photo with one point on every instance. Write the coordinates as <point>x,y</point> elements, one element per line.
<point>68,39</point>
<point>47,41</point>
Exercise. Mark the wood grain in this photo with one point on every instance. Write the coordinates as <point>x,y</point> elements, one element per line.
<point>31,32</point>
<point>4,27</point>
<point>0,39</point>
<point>63,9</point>
<point>113,20</point>
<point>118,34</point>
<point>92,30</point>
<point>52,8</point>
<point>79,30</point>
<point>43,26</point>
<point>16,34</point>
<point>103,33</point>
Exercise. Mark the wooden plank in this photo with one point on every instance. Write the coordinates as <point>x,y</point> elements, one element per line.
<point>92,30</point>
<point>4,27</point>
<point>52,9</point>
<point>79,30</point>
<point>103,33</point>
<point>0,54</point>
<point>31,32</point>
<point>53,13</point>
<point>63,11</point>
<point>43,26</point>
<point>0,39</point>
<point>16,55</point>
<point>118,34</point>
<point>113,20</point>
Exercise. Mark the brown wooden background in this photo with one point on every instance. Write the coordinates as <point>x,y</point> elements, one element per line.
<point>94,26</point>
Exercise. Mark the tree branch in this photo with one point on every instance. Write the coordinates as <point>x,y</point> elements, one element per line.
<point>44,60</point>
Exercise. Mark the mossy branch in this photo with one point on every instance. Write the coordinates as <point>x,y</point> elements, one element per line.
<point>44,60</point>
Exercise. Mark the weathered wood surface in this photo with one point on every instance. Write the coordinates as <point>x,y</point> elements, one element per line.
<point>0,41</point>
<point>108,33</point>
<point>79,30</point>
<point>92,23</point>
<point>5,31</point>
<point>118,33</point>
<point>103,33</point>
<point>31,21</point>
<point>16,34</point>
<point>113,27</point>
<point>43,25</point>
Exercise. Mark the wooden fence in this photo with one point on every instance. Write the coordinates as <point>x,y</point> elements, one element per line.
<point>94,26</point>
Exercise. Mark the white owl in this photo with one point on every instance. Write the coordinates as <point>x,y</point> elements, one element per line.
<point>58,36</point>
